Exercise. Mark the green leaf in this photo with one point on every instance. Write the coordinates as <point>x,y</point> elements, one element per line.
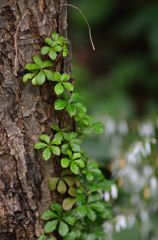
<point>91,214</point>
<point>52,182</point>
<point>65,77</point>
<point>74,168</point>
<point>46,64</point>
<point>55,36</point>
<point>68,203</point>
<point>58,88</point>
<point>80,163</point>
<point>40,145</point>
<point>56,76</point>
<point>76,155</point>
<point>98,206</point>
<point>71,109</point>
<point>27,77</point>
<point>49,74</point>
<point>55,127</point>
<point>69,180</point>
<point>72,192</point>
<point>32,66</point>
<point>49,41</point>
<point>70,220</point>
<point>40,78</point>
<point>51,238</point>
<point>89,176</point>
<point>55,150</point>
<point>68,86</point>
<point>75,97</point>
<point>46,154</point>
<point>34,81</point>
<point>52,54</point>
<point>63,229</point>
<point>56,207</point>
<point>42,237</point>
<point>60,104</point>
<point>45,50</point>
<point>38,60</point>
<point>64,148</point>
<point>61,187</point>
<point>50,226</point>
<point>64,53</point>
<point>81,211</point>
<point>45,138</point>
<point>48,214</point>
<point>58,48</point>
<point>75,147</point>
<point>65,162</point>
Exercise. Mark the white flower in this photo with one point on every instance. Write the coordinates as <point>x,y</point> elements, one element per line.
<point>114,191</point>
<point>121,223</point>
<point>107,196</point>
<point>146,129</point>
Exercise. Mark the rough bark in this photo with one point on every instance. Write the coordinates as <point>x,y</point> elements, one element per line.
<point>25,112</point>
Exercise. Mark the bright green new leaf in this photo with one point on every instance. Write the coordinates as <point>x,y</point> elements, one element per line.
<point>45,138</point>
<point>46,154</point>
<point>52,54</point>
<point>74,168</point>
<point>42,237</point>
<point>27,77</point>
<point>58,88</point>
<point>40,78</point>
<point>32,66</point>
<point>40,145</point>
<point>55,150</point>
<point>60,104</point>
<point>49,74</point>
<point>65,162</point>
<point>45,50</point>
<point>68,86</point>
<point>38,60</point>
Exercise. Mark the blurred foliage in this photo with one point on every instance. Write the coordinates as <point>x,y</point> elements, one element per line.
<point>119,82</point>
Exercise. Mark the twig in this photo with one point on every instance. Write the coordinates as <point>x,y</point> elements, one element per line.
<point>15,43</point>
<point>84,17</point>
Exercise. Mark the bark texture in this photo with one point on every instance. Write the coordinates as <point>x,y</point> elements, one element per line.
<point>25,112</point>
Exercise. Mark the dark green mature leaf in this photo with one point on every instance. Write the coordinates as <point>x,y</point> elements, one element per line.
<point>63,229</point>
<point>46,154</point>
<point>60,104</point>
<point>91,214</point>
<point>50,226</point>
<point>56,207</point>
<point>48,214</point>
<point>70,220</point>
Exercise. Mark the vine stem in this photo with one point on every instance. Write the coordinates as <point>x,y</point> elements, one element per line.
<point>84,17</point>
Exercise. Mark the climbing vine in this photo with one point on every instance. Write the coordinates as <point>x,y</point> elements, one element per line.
<point>83,210</point>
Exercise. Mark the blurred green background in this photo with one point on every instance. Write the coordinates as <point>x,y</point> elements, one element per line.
<point>119,82</point>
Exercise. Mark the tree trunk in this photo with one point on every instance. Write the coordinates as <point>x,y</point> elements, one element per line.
<point>25,112</point>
